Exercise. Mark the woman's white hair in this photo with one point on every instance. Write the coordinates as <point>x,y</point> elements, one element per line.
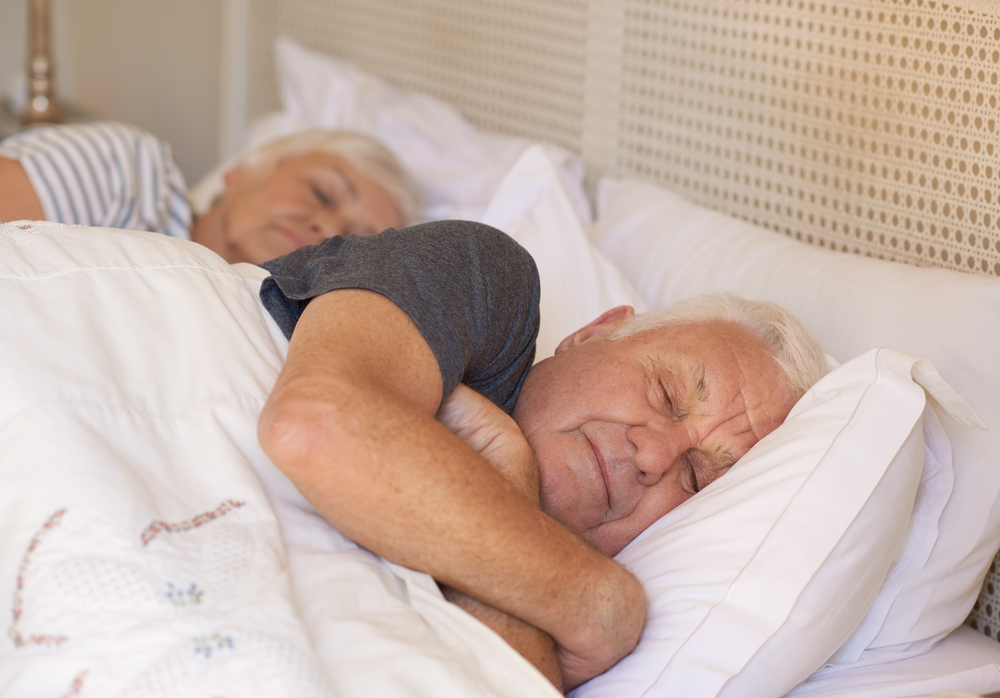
<point>369,157</point>
<point>791,346</point>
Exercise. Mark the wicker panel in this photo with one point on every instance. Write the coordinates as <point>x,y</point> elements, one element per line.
<point>985,616</point>
<point>511,66</point>
<point>864,126</point>
<point>262,86</point>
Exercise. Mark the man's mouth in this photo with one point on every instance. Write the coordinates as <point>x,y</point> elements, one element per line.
<point>601,470</point>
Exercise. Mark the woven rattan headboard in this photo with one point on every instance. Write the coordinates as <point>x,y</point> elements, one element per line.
<point>867,126</point>
<point>861,125</point>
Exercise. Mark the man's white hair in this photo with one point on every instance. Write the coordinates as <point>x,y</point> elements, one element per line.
<point>367,155</point>
<point>792,348</point>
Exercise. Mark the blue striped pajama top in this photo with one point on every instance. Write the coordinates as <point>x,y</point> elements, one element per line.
<point>103,174</point>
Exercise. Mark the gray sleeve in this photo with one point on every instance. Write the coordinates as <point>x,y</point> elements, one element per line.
<point>471,290</point>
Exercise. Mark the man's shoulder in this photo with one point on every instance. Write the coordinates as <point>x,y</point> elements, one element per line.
<point>444,250</point>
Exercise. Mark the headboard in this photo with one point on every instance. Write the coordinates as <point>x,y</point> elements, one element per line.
<point>864,126</point>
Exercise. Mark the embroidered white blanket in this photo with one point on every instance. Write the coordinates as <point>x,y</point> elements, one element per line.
<point>147,545</point>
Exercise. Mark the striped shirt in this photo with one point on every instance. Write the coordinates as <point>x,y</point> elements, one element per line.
<point>103,174</point>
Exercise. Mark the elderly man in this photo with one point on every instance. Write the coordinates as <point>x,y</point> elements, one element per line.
<point>631,417</point>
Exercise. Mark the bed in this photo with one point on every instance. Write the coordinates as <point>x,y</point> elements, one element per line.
<point>836,157</point>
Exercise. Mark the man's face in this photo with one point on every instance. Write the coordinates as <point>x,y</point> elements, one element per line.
<point>300,201</point>
<point>626,430</point>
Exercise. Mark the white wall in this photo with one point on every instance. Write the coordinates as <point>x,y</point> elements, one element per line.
<point>153,63</point>
<point>13,40</point>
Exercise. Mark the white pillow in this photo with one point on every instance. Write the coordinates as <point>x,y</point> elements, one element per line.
<point>758,579</point>
<point>965,661</point>
<point>458,165</point>
<point>578,282</point>
<point>671,248</point>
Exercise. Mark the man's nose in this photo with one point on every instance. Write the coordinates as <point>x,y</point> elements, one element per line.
<point>658,448</point>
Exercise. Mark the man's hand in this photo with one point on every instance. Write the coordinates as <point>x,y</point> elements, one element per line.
<point>494,435</point>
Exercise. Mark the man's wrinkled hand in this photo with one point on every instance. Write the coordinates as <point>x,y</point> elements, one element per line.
<point>494,435</point>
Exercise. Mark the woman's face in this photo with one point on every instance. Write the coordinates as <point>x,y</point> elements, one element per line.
<point>302,200</point>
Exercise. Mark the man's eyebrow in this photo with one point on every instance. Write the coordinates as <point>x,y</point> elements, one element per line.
<point>726,458</point>
<point>701,391</point>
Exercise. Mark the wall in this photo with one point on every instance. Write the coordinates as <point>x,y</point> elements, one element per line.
<point>13,41</point>
<point>154,63</point>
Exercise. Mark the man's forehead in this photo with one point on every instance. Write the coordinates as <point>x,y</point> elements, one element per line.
<point>695,342</point>
<point>726,361</point>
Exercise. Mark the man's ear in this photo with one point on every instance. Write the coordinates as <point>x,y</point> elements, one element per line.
<point>601,327</point>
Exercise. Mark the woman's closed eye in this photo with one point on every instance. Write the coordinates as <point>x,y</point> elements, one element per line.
<point>324,198</point>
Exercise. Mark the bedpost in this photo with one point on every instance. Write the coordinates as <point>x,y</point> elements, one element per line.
<point>41,89</point>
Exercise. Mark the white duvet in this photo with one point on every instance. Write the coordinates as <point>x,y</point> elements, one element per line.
<point>147,545</point>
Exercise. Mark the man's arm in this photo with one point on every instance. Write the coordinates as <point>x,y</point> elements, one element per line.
<point>351,422</point>
<point>494,435</point>
<point>535,645</point>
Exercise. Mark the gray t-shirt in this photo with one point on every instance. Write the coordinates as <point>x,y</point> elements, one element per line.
<point>471,290</point>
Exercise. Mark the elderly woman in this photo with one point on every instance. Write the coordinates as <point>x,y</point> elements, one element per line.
<point>271,200</point>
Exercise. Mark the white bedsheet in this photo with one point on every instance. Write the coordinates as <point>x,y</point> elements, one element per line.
<point>965,660</point>
<point>147,545</point>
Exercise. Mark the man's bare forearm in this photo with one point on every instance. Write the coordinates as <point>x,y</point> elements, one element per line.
<point>533,644</point>
<point>491,433</point>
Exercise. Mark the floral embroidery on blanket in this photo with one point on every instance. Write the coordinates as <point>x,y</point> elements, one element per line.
<point>156,527</point>
<point>18,233</point>
<point>205,645</point>
<point>175,585</point>
<point>184,597</point>
<point>77,685</point>
<point>20,641</point>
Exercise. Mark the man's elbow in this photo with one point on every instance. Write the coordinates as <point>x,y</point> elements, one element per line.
<point>289,430</point>
<point>610,629</point>
<point>625,616</point>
